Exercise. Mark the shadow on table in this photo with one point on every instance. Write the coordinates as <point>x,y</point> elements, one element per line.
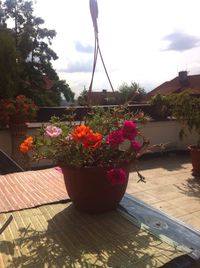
<point>73,239</point>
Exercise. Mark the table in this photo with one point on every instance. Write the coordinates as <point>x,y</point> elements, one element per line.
<point>57,235</point>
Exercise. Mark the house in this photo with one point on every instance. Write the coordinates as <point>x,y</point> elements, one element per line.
<point>103,97</point>
<point>178,84</point>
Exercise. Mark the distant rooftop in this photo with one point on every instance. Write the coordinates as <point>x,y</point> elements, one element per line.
<point>178,84</point>
<point>100,97</point>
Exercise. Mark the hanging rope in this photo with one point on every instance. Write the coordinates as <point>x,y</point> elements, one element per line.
<point>94,15</point>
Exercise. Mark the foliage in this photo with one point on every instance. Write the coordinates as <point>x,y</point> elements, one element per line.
<point>21,109</point>
<point>132,92</point>
<point>125,93</point>
<point>160,106</point>
<point>9,69</point>
<point>34,54</point>
<point>82,99</point>
<point>65,89</point>
<point>186,108</point>
<point>105,137</point>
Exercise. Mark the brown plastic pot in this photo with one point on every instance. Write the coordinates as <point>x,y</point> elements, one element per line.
<point>91,191</point>
<point>195,156</point>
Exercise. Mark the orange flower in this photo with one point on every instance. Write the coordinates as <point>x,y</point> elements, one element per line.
<point>26,145</point>
<point>93,141</point>
<point>87,137</point>
<point>81,133</point>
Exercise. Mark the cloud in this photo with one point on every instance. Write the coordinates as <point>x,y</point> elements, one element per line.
<point>83,48</point>
<point>78,67</point>
<point>180,41</point>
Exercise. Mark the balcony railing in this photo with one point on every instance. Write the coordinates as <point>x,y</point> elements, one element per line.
<point>157,131</point>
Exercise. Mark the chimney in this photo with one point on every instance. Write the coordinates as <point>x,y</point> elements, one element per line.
<point>183,78</point>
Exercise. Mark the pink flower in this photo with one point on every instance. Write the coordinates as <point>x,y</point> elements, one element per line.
<point>115,137</point>
<point>129,130</point>
<point>136,145</point>
<point>117,176</point>
<point>53,131</point>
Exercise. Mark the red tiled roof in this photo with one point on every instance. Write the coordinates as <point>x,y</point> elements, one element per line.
<point>174,86</point>
<point>98,97</point>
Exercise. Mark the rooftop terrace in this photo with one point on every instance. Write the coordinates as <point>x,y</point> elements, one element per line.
<point>38,235</point>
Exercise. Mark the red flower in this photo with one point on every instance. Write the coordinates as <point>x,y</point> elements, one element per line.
<point>117,176</point>
<point>21,108</point>
<point>129,130</point>
<point>136,145</point>
<point>115,137</point>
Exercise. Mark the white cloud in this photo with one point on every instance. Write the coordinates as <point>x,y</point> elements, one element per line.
<point>84,48</point>
<point>179,41</point>
<point>77,67</point>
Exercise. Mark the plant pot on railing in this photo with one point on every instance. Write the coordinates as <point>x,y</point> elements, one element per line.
<point>185,108</point>
<point>15,113</point>
<point>18,132</point>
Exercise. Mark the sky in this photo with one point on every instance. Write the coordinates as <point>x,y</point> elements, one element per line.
<point>144,41</point>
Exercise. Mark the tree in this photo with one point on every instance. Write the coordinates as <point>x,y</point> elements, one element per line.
<point>65,89</point>
<point>82,99</point>
<point>32,43</point>
<point>132,92</point>
<point>9,71</point>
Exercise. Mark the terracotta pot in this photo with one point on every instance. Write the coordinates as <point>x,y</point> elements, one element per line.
<point>195,155</point>
<point>91,191</point>
<point>18,129</point>
<point>18,132</point>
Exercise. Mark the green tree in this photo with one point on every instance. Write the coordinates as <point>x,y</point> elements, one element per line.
<point>65,89</point>
<point>132,92</point>
<point>32,43</point>
<point>160,106</point>
<point>9,71</point>
<point>82,99</point>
